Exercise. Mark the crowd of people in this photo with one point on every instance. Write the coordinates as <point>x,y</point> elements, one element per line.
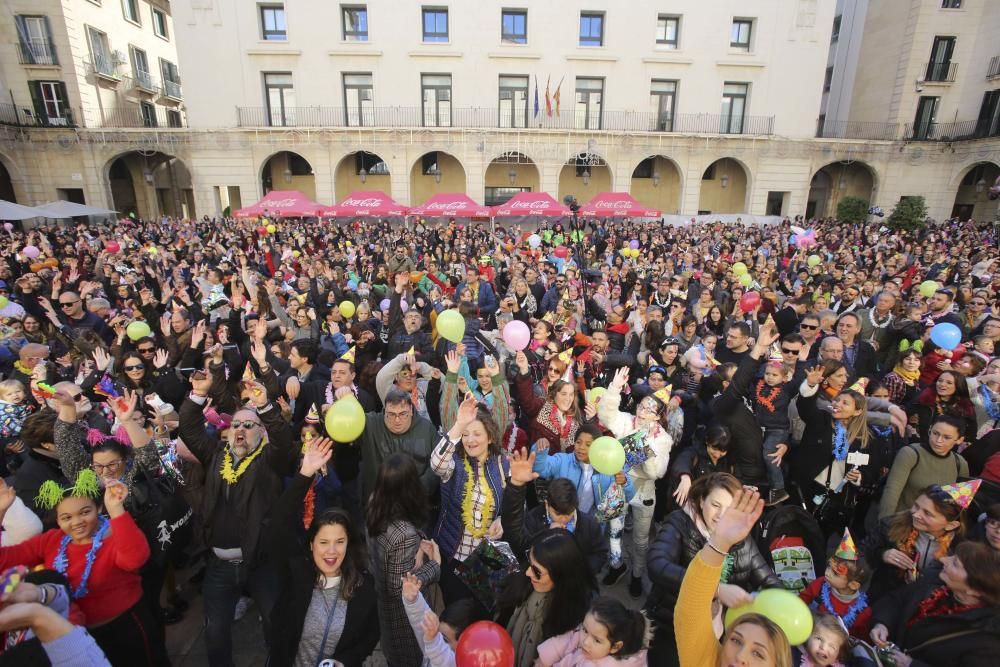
<point>271,408</point>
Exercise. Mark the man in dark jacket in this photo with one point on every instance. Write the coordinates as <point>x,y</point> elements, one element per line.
<point>746,451</point>
<point>242,482</point>
<point>558,511</point>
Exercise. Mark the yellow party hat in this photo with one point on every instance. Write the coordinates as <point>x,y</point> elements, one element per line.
<point>349,355</point>
<point>962,492</point>
<point>664,394</point>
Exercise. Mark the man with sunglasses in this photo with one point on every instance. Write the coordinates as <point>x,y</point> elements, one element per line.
<point>75,318</point>
<point>552,295</point>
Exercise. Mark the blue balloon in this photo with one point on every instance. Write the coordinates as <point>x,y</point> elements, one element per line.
<point>946,336</point>
<point>352,285</point>
<point>793,240</point>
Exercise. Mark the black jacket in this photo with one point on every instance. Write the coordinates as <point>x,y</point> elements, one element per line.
<point>520,527</point>
<point>865,361</point>
<point>258,487</point>
<point>676,545</point>
<point>967,639</point>
<point>35,471</point>
<point>746,450</point>
<point>297,579</point>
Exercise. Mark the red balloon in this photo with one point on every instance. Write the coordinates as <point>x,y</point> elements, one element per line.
<point>562,252</point>
<point>484,644</point>
<point>749,301</point>
<point>112,247</point>
<point>262,230</point>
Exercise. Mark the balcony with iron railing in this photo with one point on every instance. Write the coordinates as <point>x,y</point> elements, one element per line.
<point>27,116</point>
<point>959,131</point>
<point>105,67</point>
<point>143,82</point>
<point>994,69</point>
<point>870,131</point>
<point>943,72</point>
<point>171,89</point>
<point>37,52</point>
<point>492,118</point>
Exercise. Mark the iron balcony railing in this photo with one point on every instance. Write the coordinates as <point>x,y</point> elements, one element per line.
<point>138,116</point>
<point>994,70</point>
<point>27,116</point>
<point>492,118</point>
<point>37,52</point>
<point>872,131</point>
<point>144,81</point>
<point>105,66</point>
<point>941,72</point>
<point>171,89</point>
<point>960,131</point>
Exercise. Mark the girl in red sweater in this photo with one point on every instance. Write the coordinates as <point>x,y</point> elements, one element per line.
<point>100,556</point>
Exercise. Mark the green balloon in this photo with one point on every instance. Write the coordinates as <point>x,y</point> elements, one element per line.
<point>787,611</point>
<point>739,268</point>
<point>451,325</point>
<point>607,455</point>
<point>137,330</point>
<point>813,260</point>
<point>746,280</point>
<point>345,420</point>
<point>927,288</point>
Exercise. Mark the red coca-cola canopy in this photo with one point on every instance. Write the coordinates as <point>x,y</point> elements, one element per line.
<point>531,203</point>
<point>374,203</point>
<point>451,205</point>
<point>283,203</point>
<point>617,204</point>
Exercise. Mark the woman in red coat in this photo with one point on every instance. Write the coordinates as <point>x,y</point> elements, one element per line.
<point>100,556</point>
<point>555,417</point>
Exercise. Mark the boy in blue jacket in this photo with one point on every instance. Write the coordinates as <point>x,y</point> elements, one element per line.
<point>592,487</point>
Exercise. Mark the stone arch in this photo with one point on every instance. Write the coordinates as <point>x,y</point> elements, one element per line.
<point>836,180</point>
<point>361,170</point>
<point>972,191</point>
<point>435,172</point>
<point>657,182</point>
<point>288,170</point>
<point>149,183</point>
<point>725,187</point>
<point>507,174</point>
<point>584,175</point>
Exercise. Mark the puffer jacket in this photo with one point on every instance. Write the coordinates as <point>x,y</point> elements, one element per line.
<point>676,546</point>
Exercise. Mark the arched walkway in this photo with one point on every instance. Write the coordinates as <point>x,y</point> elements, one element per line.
<point>288,171</point>
<point>724,187</point>
<point>361,170</point>
<point>6,184</point>
<point>509,174</point>
<point>972,195</point>
<point>583,176</point>
<point>150,184</point>
<point>656,182</point>
<point>837,180</point>
<point>433,173</point>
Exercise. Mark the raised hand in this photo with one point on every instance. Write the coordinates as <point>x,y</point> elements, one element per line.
<point>738,520</point>
<point>124,407</point>
<point>161,358</point>
<point>453,361</point>
<point>467,411</point>
<point>411,587</point>
<point>522,466</point>
<point>198,334</point>
<point>317,454</point>
<point>114,498</point>
<point>521,360</point>
<point>814,375</point>
<point>621,378</point>
<point>201,382</point>
<point>101,359</point>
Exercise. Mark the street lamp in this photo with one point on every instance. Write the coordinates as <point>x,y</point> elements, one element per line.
<point>288,175</point>
<point>724,181</point>
<point>981,185</point>
<point>586,176</point>
<point>435,172</point>
<point>656,179</point>
<point>363,174</point>
<point>512,175</point>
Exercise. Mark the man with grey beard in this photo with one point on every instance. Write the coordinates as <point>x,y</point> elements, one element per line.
<point>242,482</point>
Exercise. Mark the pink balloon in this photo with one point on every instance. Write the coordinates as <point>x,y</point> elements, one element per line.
<point>8,226</point>
<point>516,335</point>
<point>112,246</point>
<point>31,252</point>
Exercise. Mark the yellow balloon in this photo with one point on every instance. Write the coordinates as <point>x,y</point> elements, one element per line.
<point>271,229</point>
<point>345,420</point>
<point>347,309</point>
<point>296,253</point>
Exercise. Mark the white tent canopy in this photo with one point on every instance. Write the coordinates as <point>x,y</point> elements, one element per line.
<point>68,209</point>
<point>12,211</point>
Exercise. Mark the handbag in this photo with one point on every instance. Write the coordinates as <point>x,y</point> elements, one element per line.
<point>484,571</point>
<point>832,507</point>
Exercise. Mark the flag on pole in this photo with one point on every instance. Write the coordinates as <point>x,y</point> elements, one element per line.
<point>555,97</point>
<point>548,100</point>
<point>536,96</point>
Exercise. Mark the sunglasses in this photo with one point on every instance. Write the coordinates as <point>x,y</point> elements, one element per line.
<point>785,350</point>
<point>67,304</point>
<point>246,425</point>
<point>79,398</point>
<point>147,350</point>
<point>809,326</point>
<point>135,367</point>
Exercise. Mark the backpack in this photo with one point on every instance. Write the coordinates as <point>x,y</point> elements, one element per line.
<point>792,542</point>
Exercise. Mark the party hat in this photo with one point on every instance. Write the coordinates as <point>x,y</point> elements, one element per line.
<point>962,492</point>
<point>302,297</point>
<point>775,356</point>
<point>566,356</point>
<point>860,385</point>
<point>349,355</point>
<point>312,417</point>
<point>664,394</point>
<point>411,351</point>
<point>248,375</point>
<point>847,550</point>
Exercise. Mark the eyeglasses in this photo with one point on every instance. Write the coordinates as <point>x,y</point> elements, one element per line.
<point>398,416</point>
<point>977,303</point>
<point>135,367</point>
<point>809,326</point>
<point>67,304</point>
<point>110,467</point>
<point>245,425</point>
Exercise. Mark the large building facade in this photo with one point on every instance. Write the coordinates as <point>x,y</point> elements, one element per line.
<point>692,107</point>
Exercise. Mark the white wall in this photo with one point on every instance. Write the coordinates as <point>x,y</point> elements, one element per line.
<point>789,54</point>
